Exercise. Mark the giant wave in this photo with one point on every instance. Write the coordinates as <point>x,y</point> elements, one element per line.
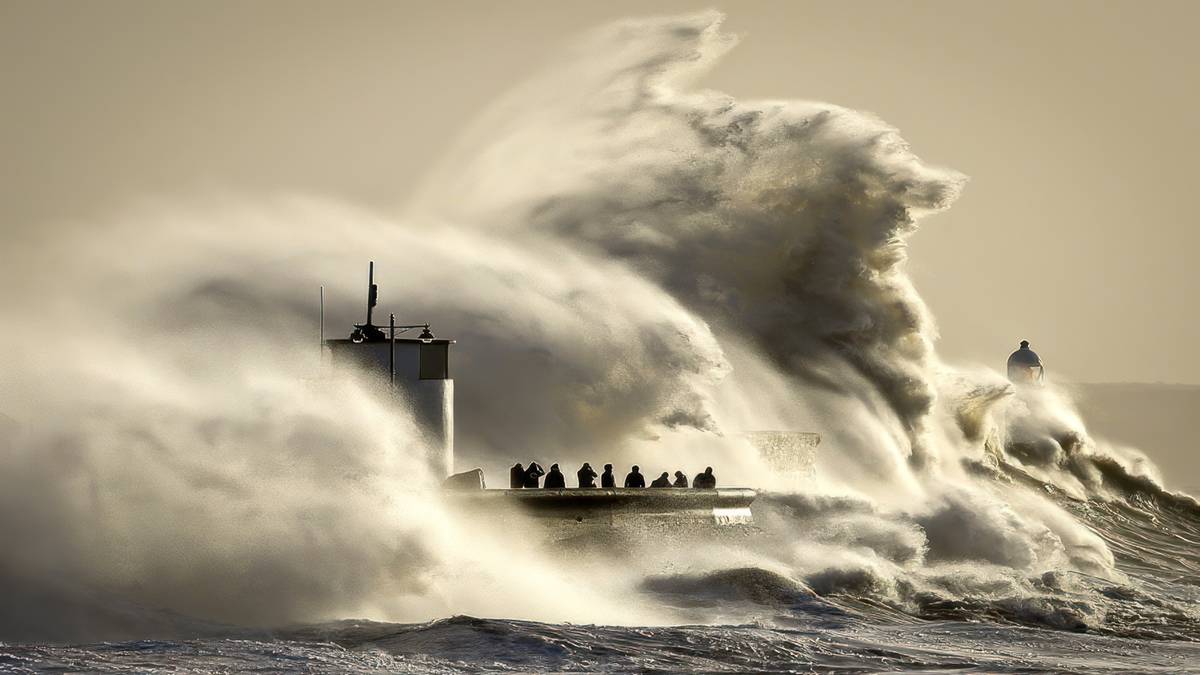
<point>636,271</point>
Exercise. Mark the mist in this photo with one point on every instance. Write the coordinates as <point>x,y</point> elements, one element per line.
<point>636,271</point>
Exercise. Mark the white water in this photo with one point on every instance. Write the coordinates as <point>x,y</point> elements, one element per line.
<point>636,272</point>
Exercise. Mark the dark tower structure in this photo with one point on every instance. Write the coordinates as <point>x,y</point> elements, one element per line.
<point>1024,366</point>
<point>415,370</point>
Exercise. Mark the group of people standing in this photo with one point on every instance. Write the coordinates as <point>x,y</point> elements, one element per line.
<point>528,477</point>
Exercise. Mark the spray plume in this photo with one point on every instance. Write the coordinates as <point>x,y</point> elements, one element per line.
<point>636,271</point>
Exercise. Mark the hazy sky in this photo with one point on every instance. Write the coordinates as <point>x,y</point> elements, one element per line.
<point>1077,122</point>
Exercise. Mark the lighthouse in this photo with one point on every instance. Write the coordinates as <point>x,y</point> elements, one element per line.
<point>414,370</point>
<point>1025,367</point>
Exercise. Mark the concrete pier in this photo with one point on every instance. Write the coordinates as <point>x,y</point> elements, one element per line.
<point>616,507</point>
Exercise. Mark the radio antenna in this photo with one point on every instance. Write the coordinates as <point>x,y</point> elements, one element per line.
<point>369,332</point>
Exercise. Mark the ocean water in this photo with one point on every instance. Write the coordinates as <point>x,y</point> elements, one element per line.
<point>466,644</point>
<point>1149,623</point>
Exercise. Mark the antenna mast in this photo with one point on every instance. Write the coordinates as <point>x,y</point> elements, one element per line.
<point>372,292</point>
<point>369,332</point>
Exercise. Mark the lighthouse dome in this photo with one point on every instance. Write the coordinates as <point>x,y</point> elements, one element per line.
<point>1024,366</point>
<point>1024,356</point>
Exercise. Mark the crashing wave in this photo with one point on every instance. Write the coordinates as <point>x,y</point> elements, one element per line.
<point>637,271</point>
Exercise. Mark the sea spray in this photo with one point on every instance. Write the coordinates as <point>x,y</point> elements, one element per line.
<point>636,272</point>
<point>188,451</point>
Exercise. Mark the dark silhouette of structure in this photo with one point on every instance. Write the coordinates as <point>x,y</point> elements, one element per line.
<point>681,480</point>
<point>587,476</point>
<point>1025,367</point>
<point>516,476</point>
<point>662,481</point>
<point>369,332</point>
<point>635,479</point>
<point>706,480</point>
<point>555,480</point>
<point>607,479</point>
<point>532,474</point>
<point>414,370</point>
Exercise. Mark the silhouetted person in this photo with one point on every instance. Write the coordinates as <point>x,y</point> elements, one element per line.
<point>532,474</point>
<point>587,476</point>
<point>706,480</point>
<point>555,480</point>
<point>662,481</point>
<point>516,476</point>
<point>607,479</point>
<point>680,479</point>
<point>635,479</point>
